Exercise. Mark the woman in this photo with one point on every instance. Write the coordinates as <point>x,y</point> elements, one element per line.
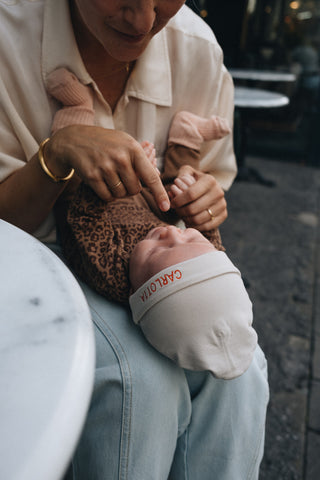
<point>146,59</point>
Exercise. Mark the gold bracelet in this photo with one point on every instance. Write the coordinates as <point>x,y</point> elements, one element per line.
<point>46,169</point>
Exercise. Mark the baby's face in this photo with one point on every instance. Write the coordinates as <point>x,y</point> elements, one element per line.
<point>162,247</point>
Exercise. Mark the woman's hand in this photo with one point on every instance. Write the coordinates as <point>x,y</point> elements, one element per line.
<point>110,161</point>
<point>198,199</point>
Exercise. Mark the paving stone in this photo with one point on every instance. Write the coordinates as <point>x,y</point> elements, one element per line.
<point>316,307</point>
<point>314,408</point>
<point>316,357</point>
<point>272,235</point>
<point>313,457</point>
<point>285,437</point>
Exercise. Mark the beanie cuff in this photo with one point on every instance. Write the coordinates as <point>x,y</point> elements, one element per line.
<point>177,277</point>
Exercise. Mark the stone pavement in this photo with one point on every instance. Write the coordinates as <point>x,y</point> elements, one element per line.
<point>273,236</point>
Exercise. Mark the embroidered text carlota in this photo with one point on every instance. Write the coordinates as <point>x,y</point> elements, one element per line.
<point>159,282</point>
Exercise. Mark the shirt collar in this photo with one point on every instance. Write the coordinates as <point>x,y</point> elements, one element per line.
<point>150,80</point>
<point>59,47</point>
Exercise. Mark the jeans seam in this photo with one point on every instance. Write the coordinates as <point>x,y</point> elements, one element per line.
<point>262,428</point>
<point>186,454</point>
<point>255,457</point>
<point>127,395</point>
<point>185,439</point>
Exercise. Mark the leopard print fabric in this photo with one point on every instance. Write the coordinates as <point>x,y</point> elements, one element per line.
<point>98,238</point>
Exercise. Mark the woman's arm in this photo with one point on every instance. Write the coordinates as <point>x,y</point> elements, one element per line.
<point>28,195</point>
<point>100,157</point>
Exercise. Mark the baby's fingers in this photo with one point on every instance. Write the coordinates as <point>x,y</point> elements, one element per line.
<point>150,152</point>
<point>181,184</point>
<point>184,182</point>
<point>174,190</point>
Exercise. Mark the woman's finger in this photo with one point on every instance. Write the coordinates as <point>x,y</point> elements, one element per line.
<point>205,210</point>
<point>102,190</point>
<point>150,178</point>
<point>198,201</point>
<point>108,156</point>
<point>208,218</point>
<point>118,190</point>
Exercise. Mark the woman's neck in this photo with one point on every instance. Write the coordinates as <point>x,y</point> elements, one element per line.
<point>108,73</point>
<point>92,52</point>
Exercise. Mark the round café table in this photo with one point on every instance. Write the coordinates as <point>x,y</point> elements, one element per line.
<point>47,358</point>
<point>245,100</point>
<point>252,98</point>
<point>262,75</point>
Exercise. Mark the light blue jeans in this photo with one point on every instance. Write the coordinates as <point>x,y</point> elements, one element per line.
<point>151,420</point>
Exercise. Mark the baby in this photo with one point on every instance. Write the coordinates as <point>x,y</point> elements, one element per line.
<point>191,303</point>
<point>98,237</point>
<point>188,299</point>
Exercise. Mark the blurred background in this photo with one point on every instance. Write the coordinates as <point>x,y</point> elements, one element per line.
<point>280,36</point>
<point>271,48</point>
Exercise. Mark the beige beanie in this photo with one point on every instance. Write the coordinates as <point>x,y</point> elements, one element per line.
<point>198,313</point>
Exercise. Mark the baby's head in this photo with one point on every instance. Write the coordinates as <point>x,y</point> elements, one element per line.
<point>164,246</point>
<point>190,302</point>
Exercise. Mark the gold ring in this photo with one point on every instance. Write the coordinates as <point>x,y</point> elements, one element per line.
<point>116,184</point>
<point>210,213</point>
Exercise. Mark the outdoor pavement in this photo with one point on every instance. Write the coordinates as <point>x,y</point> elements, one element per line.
<point>273,235</point>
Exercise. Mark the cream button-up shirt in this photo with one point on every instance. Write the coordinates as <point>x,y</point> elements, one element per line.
<point>181,69</point>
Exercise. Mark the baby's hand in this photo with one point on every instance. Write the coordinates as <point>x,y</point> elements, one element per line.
<point>150,152</point>
<point>181,184</point>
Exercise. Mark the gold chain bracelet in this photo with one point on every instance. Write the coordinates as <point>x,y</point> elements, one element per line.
<point>46,169</point>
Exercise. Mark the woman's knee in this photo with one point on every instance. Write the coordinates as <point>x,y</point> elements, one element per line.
<point>127,362</point>
<point>142,373</point>
<point>138,392</point>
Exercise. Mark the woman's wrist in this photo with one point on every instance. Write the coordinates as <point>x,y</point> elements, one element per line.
<point>54,172</point>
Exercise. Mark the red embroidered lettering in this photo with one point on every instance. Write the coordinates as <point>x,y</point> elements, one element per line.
<point>178,274</point>
<point>160,282</point>
<point>164,280</point>
<point>142,297</point>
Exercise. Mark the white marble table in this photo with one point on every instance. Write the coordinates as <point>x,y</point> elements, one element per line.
<point>262,75</point>
<point>246,99</point>
<point>46,359</point>
<point>257,98</point>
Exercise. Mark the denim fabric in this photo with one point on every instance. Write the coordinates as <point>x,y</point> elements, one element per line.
<point>151,420</point>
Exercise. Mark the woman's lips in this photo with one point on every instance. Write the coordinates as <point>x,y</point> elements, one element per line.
<point>131,38</point>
